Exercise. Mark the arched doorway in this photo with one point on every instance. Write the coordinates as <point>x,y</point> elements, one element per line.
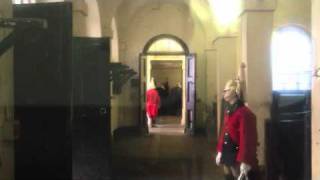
<point>166,58</point>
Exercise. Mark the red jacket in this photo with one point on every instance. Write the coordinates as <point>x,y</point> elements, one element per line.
<point>241,126</point>
<point>152,103</point>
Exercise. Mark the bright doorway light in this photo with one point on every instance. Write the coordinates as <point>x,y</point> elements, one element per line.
<point>291,59</point>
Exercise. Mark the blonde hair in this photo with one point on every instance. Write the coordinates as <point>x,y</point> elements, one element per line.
<point>234,86</point>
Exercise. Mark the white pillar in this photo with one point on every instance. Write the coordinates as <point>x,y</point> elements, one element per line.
<point>226,52</point>
<point>256,30</point>
<point>315,107</point>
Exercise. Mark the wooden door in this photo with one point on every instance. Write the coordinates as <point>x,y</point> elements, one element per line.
<point>143,87</point>
<point>42,93</point>
<point>91,136</point>
<point>190,93</point>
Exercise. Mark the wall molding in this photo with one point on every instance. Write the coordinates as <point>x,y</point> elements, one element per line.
<point>223,37</point>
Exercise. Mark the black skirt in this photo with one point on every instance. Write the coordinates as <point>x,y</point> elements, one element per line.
<point>229,151</point>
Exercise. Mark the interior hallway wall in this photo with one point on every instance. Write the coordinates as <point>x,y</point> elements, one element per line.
<point>211,90</point>
<point>152,20</point>
<point>293,12</point>
<point>6,102</point>
<point>86,18</point>
<point>226,52</point>
<point>315,106</point>
<point>172,75</point>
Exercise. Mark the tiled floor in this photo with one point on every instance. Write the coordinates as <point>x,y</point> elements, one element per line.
<point>167,154</point>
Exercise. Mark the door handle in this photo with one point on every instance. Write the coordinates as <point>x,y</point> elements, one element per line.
<point>103,110</point>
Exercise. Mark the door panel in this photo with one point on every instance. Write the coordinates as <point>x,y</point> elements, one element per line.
<point>42,93</point>
<point>143,85</point>
<point>91,124</point>
<point>190,93</point>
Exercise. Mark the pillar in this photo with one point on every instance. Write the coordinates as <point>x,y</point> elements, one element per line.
<point>255,33</point>
<point>315,106</point>
<point>226,57</point>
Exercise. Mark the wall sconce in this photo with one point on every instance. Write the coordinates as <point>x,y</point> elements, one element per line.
<point>317,73</point>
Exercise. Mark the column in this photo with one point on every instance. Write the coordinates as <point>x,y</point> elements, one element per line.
<point>226,57</point>
<point>256,30</point>
<point>315,106</point>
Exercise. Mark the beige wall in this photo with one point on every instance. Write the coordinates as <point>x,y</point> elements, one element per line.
<point>172,75</point>
<point>211,77</point>
<point>315,107</point>
<point>6,102</point>
<point>226,57</point>
<point>293,12</point>
<point>86,18</point>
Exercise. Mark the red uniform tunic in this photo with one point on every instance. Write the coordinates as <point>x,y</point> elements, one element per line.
<point>152,103</point>
<point>241,127</point>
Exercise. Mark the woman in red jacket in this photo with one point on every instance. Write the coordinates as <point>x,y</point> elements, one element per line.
<point>237,143</point>
<point>152,103</point>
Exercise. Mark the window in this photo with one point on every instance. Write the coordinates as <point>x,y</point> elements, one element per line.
<point>291,59</point>
<point>165,45</point>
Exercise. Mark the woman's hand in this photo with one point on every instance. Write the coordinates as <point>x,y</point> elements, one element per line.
<point>218,158</point>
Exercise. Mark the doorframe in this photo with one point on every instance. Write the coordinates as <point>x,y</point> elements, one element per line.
<point>143,59</point>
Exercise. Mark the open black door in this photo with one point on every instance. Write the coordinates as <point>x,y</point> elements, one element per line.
<point>142,89</point>
<point>190,93</point>
<point>91,122</point>
<point>42,93</point>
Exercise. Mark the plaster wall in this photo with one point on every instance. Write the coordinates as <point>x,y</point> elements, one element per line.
<point>210,85</point>
<point>211,76</point>
<point>86,18</point>
<point>6,102</point>
<point>226,57</point>
<point>315,107</point>
<point>172,75</point>
<point>293,12</point>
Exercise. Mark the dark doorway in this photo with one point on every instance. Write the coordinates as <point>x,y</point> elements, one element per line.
<point>168,77</point>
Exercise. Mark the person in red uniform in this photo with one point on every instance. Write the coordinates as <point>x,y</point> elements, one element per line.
<point>237,144</point>
<point>152,103</point>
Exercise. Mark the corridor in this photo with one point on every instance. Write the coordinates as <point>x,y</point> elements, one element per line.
<point>164,156</point>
